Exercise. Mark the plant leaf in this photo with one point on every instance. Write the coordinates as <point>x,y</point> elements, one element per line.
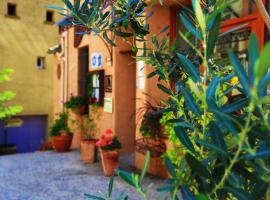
<point>238,193</point>
<point>110,186</point>
<point>187,195</point>
<point>263,64</point>
<point>189,67</point>
<point>197,166</point>
<point>170,167</point>
<point>191,103</point>
<point>93,197</point>
<point>240,72</point>
<point>145,166</point>
<point>190,27</point>
<point>213,35</point>
<point>183,137</point>
<point>253,49</point>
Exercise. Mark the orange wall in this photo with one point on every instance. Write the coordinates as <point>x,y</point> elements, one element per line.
<point>123,88</point>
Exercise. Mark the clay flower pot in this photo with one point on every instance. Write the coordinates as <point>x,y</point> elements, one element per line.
<point>88,151</point>
<point>110,161</point>
<point>78,110</point>
<point>62,143</point>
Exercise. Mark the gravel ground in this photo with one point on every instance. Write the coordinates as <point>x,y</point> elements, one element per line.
<point>60,176</point>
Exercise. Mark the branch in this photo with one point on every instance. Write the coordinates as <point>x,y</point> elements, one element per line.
<point>263,12</point>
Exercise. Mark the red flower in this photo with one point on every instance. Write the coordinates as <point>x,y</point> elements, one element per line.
<point>110,142</point>
<point>107,138</point>
<point>109,131</point>
<point>103,143</point>
<point>97,143</point>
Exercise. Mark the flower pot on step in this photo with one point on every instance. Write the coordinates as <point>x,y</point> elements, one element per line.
<point>88,151</point>
<point>62,143</point>
<point>110,161</point>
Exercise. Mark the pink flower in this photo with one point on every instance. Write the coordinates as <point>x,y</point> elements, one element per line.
<point>97,143</point>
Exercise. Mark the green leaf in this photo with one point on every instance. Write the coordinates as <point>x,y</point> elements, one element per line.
<point>238,193</point>
<point>197,167</point>
<point>170,167</point>
<point>226,121</point>
<point>145,166</point>
<point>190,27</point>
<point>110,186</point>
<point>105,36</point>
<point>202,197</point>
<point>213,35</point>
<point>263,64</point>
<point>189,68</point>
<point>187,195</point>
<point>210,93</point>
<point>191,103</point>
<point>164,89</point>
<point>240,72</point>
<point>199,14</point>
<point>183,137</point>
<point>235,106</point>
<point>127,177</point>
<point>212,147</point>
<point>259,154</point>
<point>55,7</point>
<point>153,73</point>
<point>253,49</point>
<point>93,197</point>
<point>123,34</point>
<point>259,190</point>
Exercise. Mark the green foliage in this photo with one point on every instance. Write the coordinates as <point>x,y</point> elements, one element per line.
<point>150,126</point>
<point>60,125</point>
<point>225,140</point>
<point>134,180</point>
<point>125,19</point>
<point>75,102</point>
<point>6,110</point>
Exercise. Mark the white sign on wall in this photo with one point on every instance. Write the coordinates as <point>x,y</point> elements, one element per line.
<point>96,60</point>
<point>108,105</point>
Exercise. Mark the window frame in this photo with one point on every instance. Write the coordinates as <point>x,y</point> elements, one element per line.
<point>15,16</point>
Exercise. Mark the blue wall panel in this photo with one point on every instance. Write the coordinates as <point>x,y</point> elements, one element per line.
<point>30,136</point>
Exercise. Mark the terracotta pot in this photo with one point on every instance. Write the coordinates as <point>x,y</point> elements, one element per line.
<point>110,161</point>
<point>78,110</point>
<point>62,143</point>
<point>88,151</point>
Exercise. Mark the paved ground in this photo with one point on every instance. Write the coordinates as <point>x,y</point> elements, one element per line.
<point>55,176</point>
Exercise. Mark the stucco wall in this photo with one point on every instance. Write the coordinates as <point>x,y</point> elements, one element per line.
<point>123,87</point>
<point>22,40</point>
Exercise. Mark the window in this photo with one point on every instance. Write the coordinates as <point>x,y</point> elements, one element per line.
<point>41,62</point>
<point>11,9</point>
<point>95,86</point>
<point>49,16</point>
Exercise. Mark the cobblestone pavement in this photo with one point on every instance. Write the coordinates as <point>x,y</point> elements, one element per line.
<point>60,176</point>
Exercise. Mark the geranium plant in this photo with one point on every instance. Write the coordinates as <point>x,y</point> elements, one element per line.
<point>75,102</point>
<point>108,142</point>
<point>60,125</point>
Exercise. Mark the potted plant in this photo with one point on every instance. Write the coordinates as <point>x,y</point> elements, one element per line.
<point>61,134</point>
<point>77,104</point>
<point>153,139</point>
<point>109,150</point>
<point>89,130</point>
